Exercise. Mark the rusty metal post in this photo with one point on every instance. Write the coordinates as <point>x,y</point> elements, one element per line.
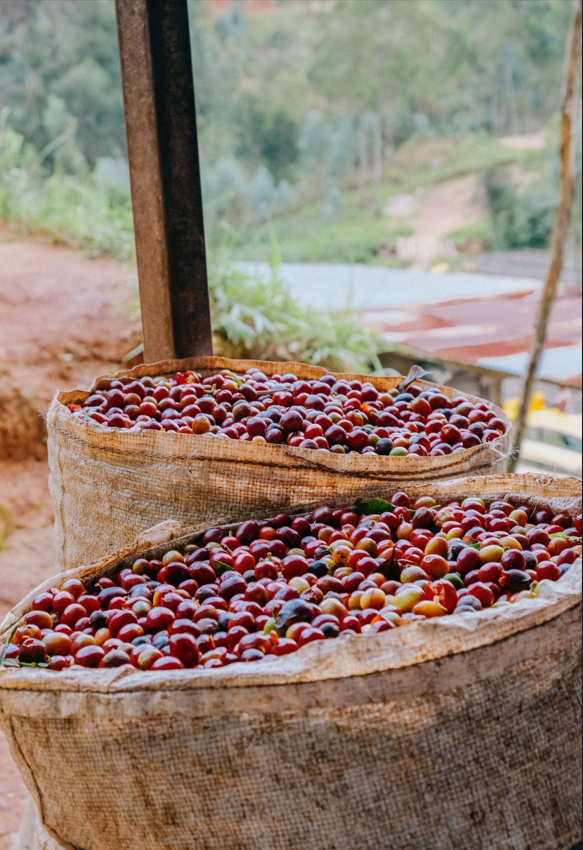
<point>158,89</point>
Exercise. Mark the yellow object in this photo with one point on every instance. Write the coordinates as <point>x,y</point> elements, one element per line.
<point>537,402</point>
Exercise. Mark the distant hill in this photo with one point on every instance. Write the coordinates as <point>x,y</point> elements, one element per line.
<point>250,7</point>
<point>258,7</point>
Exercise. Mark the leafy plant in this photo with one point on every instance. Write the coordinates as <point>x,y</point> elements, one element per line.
<point>520,219</point>
<point>283,95</point>
<point>86,212</point>
<point>256,318</point>
<point>252,317</point>
<point>373,506</point>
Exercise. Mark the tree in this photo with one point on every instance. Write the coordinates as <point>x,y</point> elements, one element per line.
<point>68,49</point>
<point>506,59</point>
<point>374,55</point>
<point>267,134</point>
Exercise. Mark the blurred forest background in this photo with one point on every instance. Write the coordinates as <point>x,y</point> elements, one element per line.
<point>312,116</point>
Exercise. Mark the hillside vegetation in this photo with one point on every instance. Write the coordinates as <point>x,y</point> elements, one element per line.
<point>309,121</point>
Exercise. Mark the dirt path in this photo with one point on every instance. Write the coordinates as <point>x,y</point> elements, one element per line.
<point>525,142</point>
<point>64,319</point>
<point>451,206</point>
<point>61,315</point>
<point>438,211</point>
<point>459,202</point>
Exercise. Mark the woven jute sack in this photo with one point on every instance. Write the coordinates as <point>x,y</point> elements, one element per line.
<point>108,484</point>
<point>461,733</point>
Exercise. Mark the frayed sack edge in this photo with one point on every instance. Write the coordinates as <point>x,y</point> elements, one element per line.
<point>354,655</point>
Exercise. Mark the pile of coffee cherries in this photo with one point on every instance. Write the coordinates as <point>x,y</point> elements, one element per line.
<point>270,587</point>
<point>328,414</point>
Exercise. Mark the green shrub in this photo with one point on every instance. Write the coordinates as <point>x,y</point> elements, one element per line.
<point>84,213</point>
<point>252,318</point>
<point>520,219</point>
<point>255,318</point>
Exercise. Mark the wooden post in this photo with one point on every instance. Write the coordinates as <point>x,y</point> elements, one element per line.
<point>562,226</point>
<point>158,89</point>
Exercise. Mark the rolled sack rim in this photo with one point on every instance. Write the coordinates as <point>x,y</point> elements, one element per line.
<point>201,446</point>
<point>381,654</point>
<point>352,655</point>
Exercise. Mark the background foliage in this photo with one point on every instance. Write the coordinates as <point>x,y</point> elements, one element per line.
<point>310,117</point>
<point>295,106</point>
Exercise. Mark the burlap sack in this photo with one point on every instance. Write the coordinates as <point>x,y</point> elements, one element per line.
<point>107,485</point>
<point>456,734</point>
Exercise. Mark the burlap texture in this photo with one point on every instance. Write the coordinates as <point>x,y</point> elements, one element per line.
<point>107,485</point>
<point>456,734</point>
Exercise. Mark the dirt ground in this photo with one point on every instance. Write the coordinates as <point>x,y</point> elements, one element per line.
<point>63,320</point>
<point>451,206</point>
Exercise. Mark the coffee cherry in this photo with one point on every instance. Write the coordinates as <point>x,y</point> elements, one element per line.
<point>430,609</point>
<point>43,602</point>
<point>92,656</point>
<point>28,632</point>
<point>513,559</point>
<point>159,618</point>
<point>435,566</point>
<point>167,663</point>
<point>184,647</point>
<point>296,580</point>
<point>483,593</point>
<point>57,644</point>
<point>515,581</point>
<point>32,651</point>
<point>335,416</point>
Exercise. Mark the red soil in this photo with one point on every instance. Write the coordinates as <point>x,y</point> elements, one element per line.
<point>63,320</point>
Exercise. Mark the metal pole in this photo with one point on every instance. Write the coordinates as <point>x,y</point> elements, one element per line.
<point>561,232</point>
<point>158,89</point>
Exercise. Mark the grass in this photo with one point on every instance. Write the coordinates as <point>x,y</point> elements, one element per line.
<point>477,231</point>
<point>304,238</point>
<point>356,234</point>
<point>97,219</point>
<point>353,240</point>
<point>252,318</point>
<point>67,209</point>
<point>446,159</point>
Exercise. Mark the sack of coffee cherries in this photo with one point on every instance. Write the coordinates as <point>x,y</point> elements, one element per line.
<point>402,671</point>
<point>208,440</point>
